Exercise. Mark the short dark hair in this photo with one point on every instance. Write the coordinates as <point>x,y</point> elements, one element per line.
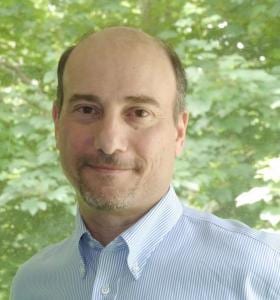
<point>60,71</point>
<point>180,76</point>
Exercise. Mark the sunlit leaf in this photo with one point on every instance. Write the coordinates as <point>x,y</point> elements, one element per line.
<point>272,215</point>
<point>33,206</point>
<point>256,194</point>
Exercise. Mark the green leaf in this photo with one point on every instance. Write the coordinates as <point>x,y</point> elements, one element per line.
<point>49,76</point>
<point>198,107</point>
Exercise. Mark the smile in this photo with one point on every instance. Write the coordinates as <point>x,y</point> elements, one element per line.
<point>107,169</point>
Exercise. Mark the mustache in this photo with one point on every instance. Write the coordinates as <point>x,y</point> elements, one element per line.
<point>110,160</point>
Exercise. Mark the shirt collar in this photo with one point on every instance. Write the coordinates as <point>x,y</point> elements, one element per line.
<point>144,236</point>
<point>80,228</point>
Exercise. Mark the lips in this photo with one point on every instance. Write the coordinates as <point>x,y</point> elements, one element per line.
<point>108,168</point>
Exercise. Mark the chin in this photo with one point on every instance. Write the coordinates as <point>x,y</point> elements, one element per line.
<point>106,198</point>
<point>104,202</point>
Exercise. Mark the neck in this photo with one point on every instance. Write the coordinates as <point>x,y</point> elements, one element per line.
<point>105,226</point>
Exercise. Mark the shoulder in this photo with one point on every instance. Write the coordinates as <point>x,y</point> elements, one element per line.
<point>226,230</point>
<point>209,254</point>
<point>39,266</point>
<point>48,254</point>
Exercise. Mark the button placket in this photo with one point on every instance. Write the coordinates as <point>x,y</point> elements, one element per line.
<point>107,274</point>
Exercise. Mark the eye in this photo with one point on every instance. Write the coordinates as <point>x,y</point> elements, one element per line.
<point>87,110</point>
<point>141,113</point>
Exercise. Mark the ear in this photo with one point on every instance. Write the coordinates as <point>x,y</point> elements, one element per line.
<point>181,129</point>
<point>55,117</point>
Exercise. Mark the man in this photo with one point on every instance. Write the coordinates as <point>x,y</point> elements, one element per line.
<point>120,122</point>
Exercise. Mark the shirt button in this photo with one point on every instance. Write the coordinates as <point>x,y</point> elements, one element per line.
<point>91,244</point>
<point>105,290</point>
<point>82,270</point>
<point>135,268</point>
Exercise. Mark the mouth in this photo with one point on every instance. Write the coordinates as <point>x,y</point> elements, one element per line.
<point>108,169</point>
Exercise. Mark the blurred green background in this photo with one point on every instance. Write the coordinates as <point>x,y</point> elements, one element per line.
<point>231,165</point>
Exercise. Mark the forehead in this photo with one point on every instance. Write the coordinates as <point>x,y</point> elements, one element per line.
<point>117,62</point>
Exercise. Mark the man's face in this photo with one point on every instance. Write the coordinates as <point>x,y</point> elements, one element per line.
<point>115,133</point>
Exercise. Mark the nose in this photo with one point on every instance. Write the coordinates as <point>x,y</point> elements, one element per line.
<point>111,135</point>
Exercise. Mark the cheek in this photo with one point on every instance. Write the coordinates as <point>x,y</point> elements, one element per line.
<point>72,141</point>
<point>157,147</point>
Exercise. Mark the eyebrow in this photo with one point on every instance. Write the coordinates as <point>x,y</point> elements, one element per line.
<point>136,99</point>
<point>143,99</point>
<point>87,97</point>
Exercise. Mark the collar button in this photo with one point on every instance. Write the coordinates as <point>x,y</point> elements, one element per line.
<point>105,290</point>
<point>135,268</point>
<point>91,244</point>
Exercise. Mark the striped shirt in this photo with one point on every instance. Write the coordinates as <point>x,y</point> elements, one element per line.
<point>173,252</point>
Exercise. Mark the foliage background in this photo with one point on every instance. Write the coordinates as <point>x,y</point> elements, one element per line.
<point>231,165</point>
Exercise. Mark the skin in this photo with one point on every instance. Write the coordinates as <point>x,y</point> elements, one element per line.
<point>115,132</point>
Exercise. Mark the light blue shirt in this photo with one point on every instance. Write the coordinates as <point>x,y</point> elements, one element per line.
<point>173,252</point>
